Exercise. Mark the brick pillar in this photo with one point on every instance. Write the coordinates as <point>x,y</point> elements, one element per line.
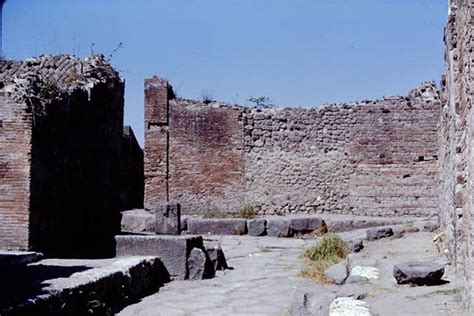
<point>157,95</point>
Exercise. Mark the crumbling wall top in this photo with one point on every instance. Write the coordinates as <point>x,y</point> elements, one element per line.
<point>64,73</point>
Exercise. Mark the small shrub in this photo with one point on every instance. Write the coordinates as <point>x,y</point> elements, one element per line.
<point>261,102</point>
<point>248,212</point>
<point>212,211</point>
<point>331,246</point>
<point>330,250</point>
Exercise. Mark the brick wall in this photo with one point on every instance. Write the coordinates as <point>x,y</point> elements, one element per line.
<point>15,158</point>
<point>66,117</point>
<point>456,142</point>
<point>370,158</point>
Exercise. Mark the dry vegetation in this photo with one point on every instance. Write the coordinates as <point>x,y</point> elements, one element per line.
<point>330,250</point>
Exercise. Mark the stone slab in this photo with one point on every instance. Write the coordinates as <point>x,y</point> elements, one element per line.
<point>138,221</point>
<point>173,251</point>
<point>303,225</point>
<point>278,227</point>
<point>11,258</point>
<point>220,226</point>
<point>257,227</point>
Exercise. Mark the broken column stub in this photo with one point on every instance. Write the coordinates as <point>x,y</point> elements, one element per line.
<point>168,219</point>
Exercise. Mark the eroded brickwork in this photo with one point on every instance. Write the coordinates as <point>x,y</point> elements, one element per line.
<point>370,158</point>
<point>456,141</point>
<point>15,159</point>
<point>63,122</point>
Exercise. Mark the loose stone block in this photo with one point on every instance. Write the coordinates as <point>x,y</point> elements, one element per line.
<point>173,251</point>
<point>220,226</point>
<point>257,227</point>
<point>168,219</point>
<point>419,273</point>
<point>137,221</point>
<point>278,227</point>
<point>336,273</point>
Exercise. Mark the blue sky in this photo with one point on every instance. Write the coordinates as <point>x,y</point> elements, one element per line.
<point>296,52</point>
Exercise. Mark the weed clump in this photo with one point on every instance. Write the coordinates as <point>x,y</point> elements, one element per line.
<point>248,212</point>
<point>330,250</point>
<point>212,211</point>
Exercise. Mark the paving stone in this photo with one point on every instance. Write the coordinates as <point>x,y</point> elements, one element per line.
<point>278,227</point>
<point>356,279</point>
<point>336,273</point>
<point>348,306</point>
<point>173,251</point>
<point>378,233</point>
<point>419,273</point>
<point>224,226</point>
<point>138,221</point>
<point>370,273</point>
<point>257,227</point>
<point>309,302</point>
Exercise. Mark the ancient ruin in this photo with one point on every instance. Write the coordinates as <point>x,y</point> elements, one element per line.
<point>61,125</point>
<point>237,199</point>
<point>375,158</point>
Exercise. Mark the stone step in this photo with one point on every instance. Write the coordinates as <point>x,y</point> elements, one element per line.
<point>78,287</point>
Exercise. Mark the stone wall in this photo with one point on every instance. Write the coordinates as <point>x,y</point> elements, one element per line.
<point>369,158</point>
<point>456,128</point>
<point>62,119</point>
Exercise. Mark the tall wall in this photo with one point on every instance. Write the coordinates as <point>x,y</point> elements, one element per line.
<point>15,159</point>
<point>370,158</point>
<point>456,142</point>
<point>68,192</point>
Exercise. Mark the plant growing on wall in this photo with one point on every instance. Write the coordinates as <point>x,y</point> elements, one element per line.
<point>261,102</point>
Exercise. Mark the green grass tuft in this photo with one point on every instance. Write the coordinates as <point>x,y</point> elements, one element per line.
<point>330,250</point>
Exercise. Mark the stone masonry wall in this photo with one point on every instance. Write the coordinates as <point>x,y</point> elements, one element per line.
<point>65,118</point>
<point>456,130</point>
<point>370,158</point>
